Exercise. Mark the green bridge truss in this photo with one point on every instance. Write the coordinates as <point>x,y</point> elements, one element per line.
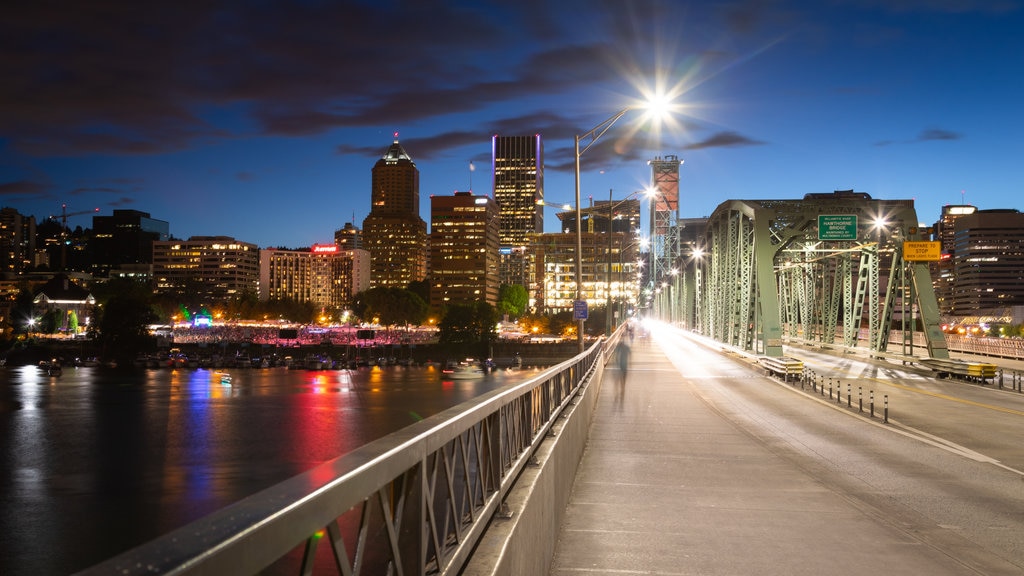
<point>826,269</point>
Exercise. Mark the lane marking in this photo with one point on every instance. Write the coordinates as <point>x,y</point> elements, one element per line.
<point>850,375</point>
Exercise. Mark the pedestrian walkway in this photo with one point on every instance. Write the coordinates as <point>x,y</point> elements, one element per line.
<point>668,486</point>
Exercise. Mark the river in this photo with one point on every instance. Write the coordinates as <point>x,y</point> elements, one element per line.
<point>97,461</point>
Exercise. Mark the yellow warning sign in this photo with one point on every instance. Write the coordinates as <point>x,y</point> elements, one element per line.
<point>927,251</point>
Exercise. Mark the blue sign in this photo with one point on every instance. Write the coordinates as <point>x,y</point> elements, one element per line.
<point>579,310</point>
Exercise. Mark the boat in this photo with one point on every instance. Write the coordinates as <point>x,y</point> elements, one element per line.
<point>467,369</point>
<point>51,367</point>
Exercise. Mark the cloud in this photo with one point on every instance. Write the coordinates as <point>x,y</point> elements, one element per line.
<point>723,140</point>
<point>91,190</point>
<point>926,135</point>
<point>24,188</point>
<point>110,81</point>
<point>245,176</point>
<point>937,134</point>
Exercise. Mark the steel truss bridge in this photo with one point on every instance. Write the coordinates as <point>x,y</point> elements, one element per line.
<point>828,268</point>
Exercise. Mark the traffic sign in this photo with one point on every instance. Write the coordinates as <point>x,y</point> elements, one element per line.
<point>579,310</point>
<point>924,251</point>
<point>837,227</point>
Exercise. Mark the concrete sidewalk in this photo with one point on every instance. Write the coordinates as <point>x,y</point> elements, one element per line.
<point>668,486</point>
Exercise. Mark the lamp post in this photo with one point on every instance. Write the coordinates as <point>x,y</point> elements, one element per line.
<point>593,134</point>
<point>612,205</point>
<point>657,101</point>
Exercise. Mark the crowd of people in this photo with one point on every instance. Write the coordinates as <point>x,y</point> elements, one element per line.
<point>298,335</point>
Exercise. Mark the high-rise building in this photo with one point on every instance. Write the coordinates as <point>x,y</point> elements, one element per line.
<point>17,241</point>
<point>463,249</point>
<point>125,237</point>
<point>215,267</point>
<point>394,233</point>
<point>608,274</point>
<point>518,173</point>
<point>943,277</point>
<point>988,262</point>
<point>349,237</point>
<point>325,275</point>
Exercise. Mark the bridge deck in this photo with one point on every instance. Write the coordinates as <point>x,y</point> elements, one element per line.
<point>668,486</point>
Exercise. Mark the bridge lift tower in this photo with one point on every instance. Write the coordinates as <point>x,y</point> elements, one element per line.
<point>664,255</point>
<point>797,269</point>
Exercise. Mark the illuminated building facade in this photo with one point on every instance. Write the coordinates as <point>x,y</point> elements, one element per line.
<point>215,267</point>
<point>943,277</point>
<point>325,275</point>
<point>394,233</point>
<point>556,266</point>
<point>988,262</point>
<point>349,237</point>
<point>518,176</point>
<point>463,249</point>
<point>17,241</point>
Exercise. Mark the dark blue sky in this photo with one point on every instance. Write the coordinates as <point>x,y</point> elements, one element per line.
<point>261,120</point>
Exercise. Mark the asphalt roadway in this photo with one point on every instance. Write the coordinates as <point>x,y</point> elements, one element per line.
<point>698,464</point>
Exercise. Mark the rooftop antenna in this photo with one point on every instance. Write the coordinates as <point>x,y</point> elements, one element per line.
<point>962,200</point>
<point>471,169</point>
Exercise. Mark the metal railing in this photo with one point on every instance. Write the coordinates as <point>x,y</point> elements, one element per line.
<point>413,502</point>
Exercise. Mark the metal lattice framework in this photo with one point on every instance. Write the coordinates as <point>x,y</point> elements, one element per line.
<point>665,250</point>
<point>770,273</point>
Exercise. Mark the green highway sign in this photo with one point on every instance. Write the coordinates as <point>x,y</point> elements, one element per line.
<point>837,227</point>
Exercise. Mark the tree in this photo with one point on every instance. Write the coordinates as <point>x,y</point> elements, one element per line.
<point>470,325</point>
<point>390,306</point>
<point>512,300</point>
<point>420,288</point>
<point>124,326</point>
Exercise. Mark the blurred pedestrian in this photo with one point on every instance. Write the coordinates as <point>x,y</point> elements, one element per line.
<point>622,353</point>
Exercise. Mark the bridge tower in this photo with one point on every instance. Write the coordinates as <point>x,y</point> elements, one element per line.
<point>795,269</point>
<point>664,235</point>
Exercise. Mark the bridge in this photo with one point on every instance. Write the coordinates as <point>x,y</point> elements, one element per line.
<point>818,268</point>
<point>484,488</point>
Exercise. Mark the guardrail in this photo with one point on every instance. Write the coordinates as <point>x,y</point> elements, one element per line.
<point>782,366</point>
<point>413,502</point>
<point>980,371</point>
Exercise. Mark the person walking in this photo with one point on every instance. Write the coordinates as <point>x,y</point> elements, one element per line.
<point>622,353</point>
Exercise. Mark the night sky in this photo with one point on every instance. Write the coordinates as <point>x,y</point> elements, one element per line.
<point>262,120</point>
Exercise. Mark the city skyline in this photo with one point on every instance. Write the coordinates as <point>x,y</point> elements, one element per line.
<point>264,124</point>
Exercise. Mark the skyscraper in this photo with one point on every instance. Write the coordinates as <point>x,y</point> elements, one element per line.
<point>394,233</point>
<point>125,237</point>
<point>518,165</point>
<point>463,249</point>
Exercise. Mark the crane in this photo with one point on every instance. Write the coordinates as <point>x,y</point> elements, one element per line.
<point>64,215</point>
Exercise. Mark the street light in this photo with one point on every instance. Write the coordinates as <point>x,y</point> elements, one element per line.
<point>612,205</point>
<point>593,135</point>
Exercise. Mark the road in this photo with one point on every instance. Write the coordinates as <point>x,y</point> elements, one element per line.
<point>947,469</point>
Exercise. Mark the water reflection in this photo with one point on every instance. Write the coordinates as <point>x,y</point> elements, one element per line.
<point>94,462</point>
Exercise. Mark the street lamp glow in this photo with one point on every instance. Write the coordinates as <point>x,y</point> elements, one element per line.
<point>593,135</point>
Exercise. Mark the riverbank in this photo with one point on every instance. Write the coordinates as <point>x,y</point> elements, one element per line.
<point>70,352</point>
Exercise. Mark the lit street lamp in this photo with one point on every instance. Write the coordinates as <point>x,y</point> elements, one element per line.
<point>593,135</point>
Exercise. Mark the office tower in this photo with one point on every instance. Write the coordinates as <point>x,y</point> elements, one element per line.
<point>943,277</point>
<point>463,249</point>
<point>988,262</point>
<point>215,267</point>
<point>17,241</point>
<point>349,237</point>
<point>608,274</point>
<point>126,237</point>
<point>394,233</point>
<point>518,166</point>
<point>324,275</point>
